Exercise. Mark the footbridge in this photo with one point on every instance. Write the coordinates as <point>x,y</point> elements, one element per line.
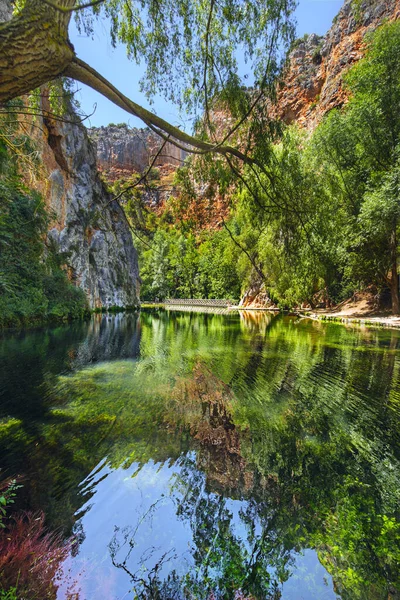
<point>196,302</point>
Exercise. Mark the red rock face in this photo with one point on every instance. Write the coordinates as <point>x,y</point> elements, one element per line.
<point>312,84</point>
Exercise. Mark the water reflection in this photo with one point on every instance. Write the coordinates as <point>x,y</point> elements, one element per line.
<point>212,456</point>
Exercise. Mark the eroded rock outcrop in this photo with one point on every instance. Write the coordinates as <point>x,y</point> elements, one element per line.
<point>5,10</point>
<point>257,297</point>
<point>313,81</point>
<point>88,229</point>
<point>122,150</point>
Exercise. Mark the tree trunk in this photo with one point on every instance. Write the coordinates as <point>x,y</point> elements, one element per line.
<point>394,283</point>
<point>34,48</point>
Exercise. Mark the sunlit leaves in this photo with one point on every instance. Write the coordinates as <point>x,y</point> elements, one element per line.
<point>191,49</point>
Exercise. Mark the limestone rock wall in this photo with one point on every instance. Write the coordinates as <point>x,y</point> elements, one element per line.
<point>256,297</point>
<point>122,150</point>
<point>88,229</point>
<point>312,84</point>
<point>5,10</point>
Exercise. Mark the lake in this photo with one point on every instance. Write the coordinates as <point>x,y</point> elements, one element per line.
<point>210,456</point>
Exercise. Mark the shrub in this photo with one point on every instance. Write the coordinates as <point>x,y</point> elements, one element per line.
<point>29,558</point>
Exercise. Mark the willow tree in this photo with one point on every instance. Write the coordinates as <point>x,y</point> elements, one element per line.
<point>190,49</point>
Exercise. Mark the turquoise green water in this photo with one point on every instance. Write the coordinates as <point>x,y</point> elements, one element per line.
<point>210,456</point>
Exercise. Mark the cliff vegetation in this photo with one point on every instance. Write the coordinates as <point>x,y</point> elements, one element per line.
<point>320,219</point>
<point>33,286</point>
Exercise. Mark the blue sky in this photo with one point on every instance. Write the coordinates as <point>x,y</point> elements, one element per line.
<point>313,16</point>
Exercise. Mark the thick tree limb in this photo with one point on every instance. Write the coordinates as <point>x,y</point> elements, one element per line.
<point>67,9</point>
<point>34,49</point>
<point>85,74</point>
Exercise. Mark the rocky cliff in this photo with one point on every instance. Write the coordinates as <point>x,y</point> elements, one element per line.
<point>312,84</point>
<point>313,80</point>
<point>122,150</point>
<point>88,228</point>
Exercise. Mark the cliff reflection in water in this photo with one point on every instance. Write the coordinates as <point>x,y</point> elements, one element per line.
<point>213,456</point>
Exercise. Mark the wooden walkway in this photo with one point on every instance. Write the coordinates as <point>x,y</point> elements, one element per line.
<point>199,302</point>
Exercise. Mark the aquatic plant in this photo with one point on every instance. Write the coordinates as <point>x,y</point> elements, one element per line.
<point>30,556</point>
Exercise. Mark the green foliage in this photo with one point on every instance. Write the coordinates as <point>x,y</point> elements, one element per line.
<point>298,41</point>
<point>10,594</point>
<point>357,9</point>
<point>358,148</point>
<point>8,491</point>
<point>317,57</point>
<point>173,39</point>
<point>177,258</point>
<point>33,288</point>
<point>179,266</point>
<point>320,219</point>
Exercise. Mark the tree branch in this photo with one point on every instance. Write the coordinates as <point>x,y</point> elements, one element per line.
<point>82,72</point>
<point>46,114</point>
<point>206,65</point>
<point>143,177</point>
<point>258,97</point>
<point>65,9</point>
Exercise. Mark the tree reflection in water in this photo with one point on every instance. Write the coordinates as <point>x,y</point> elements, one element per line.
<point>245,440</point>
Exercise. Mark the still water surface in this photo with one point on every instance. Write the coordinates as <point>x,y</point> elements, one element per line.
<point>210,456</point>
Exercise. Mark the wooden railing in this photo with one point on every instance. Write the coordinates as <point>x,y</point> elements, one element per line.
<point>198,302</point>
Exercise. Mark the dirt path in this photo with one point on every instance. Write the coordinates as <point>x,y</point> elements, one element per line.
<point>359,310</point>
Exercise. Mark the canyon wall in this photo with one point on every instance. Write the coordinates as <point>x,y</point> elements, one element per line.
<point>5,10</point>
<point>313,80</point>
<point>88,229</point>
<point>122,150</point>
<point>311,86</point>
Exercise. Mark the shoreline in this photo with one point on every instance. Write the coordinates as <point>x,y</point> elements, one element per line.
<point>346,317</point>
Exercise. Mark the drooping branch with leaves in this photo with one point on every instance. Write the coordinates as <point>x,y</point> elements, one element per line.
<point>190,50</point>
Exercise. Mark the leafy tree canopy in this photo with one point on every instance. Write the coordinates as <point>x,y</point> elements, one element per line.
<point>189,48</point>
